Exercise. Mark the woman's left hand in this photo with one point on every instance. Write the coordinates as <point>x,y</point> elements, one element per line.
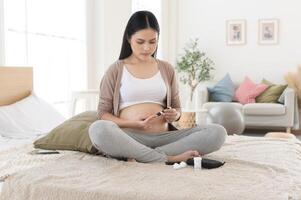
<point>170,114</point>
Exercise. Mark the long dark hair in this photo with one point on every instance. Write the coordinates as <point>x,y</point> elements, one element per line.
<point>138,21</point>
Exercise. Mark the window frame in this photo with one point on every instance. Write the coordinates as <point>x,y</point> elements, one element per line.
<point>2,35</point>
<point>80,41</point>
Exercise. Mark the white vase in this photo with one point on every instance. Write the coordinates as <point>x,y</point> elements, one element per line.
<point>189,105</point>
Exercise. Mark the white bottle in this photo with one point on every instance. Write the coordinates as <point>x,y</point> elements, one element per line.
<point>197,163</point>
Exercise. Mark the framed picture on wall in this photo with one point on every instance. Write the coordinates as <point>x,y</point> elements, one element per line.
<point>268,31</point>
<point>236,32</point>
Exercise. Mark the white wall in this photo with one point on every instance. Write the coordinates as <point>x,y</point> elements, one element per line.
<point>92,70</point>
<point>169,27</point>
<point>206,19</point>
<point>107,21</point>
<point>2,61</point>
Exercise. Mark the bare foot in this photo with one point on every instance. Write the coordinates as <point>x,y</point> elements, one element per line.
<point>183,156</point>
<point>131,160</point>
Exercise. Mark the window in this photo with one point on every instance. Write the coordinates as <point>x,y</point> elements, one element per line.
<point>153,6</point>
<point>49,35</point>
<point>1,34</point>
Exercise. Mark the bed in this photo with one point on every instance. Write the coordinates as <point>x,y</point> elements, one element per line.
<point>12,91</point>
<point>256,168</point>
<point>6,144</point>
<point>16,99</point>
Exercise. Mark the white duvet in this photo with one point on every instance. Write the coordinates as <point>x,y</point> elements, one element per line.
<point>8,144</point>
<point>256,168</point>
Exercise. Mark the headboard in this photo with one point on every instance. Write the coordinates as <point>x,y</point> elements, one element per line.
<point>15,84</point>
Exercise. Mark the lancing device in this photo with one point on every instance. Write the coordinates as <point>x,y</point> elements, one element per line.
<point>161,112</point>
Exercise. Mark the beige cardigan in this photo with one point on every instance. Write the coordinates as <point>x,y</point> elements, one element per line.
<point>109,95</point>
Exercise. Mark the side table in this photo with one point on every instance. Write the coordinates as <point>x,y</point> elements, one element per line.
<point>89,97</point>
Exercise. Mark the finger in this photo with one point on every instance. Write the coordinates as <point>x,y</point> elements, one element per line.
<point>169,120</point>
<point>151,118</point>
<point>168,108</point>
<point>171,110</point>
<point>170,114</point>
<point>196,153</point>
<point>167,116</point>
<point>146,125</point>
<point>170,117</point>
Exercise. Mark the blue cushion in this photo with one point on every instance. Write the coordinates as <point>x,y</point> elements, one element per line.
<point>223,91</point>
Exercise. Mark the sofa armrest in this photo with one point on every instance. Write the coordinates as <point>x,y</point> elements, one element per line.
<point>291,106</point>
<point>289,97</point>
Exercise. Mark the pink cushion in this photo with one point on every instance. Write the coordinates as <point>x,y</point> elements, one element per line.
<point>248,91</point>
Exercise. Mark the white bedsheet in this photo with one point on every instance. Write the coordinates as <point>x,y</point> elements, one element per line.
<point>8,143</point>
<point>256,168</point>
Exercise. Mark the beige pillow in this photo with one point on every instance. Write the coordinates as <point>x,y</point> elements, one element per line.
<point>272,94</point>
<point>70,135</point>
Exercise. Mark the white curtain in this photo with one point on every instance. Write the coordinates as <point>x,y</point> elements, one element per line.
<point>50,36</point>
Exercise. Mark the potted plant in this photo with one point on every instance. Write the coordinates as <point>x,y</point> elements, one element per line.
<point>194,67</point>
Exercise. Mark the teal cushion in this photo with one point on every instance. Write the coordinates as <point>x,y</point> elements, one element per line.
<point>223,91</point>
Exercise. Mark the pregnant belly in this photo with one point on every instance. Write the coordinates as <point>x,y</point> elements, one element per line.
<point>141,111</point>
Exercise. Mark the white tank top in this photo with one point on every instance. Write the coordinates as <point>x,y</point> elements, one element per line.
<point>135,90</point>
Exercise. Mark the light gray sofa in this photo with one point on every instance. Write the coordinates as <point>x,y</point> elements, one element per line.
<point>263,115</point>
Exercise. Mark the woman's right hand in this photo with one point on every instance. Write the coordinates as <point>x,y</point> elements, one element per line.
<point>147,123</point>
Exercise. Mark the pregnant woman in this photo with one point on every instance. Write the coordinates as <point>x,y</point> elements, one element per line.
<point>139,98</point>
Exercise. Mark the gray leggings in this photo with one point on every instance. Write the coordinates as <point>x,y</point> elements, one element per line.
<point>117,142</point>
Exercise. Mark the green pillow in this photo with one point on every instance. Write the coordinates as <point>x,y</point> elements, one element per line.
<point>70,135</point>
<point>272,94</point>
